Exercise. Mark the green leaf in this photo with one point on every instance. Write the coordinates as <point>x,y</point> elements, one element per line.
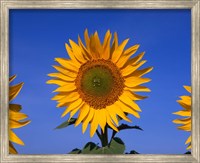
<point>133,152</point>
<point>89,147</point>
<point>102,150</point>
<point>188,152</point>
<point>66,123</point>
<point>116,147</point>
<point>125,126</point>
<point>75,151</point>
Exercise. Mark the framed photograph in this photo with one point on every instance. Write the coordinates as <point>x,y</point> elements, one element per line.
<point>99,81</point>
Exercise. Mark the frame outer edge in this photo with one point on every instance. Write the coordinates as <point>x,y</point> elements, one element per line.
<point>5,5</point>
<point>196,81</point>
<point>4,79</point>
<point>1,80</point>
<point>97,4</point>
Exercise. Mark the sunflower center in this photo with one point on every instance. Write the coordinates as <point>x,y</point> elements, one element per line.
<point>99,83</point>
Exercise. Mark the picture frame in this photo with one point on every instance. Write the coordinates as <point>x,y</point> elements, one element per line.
<point>6,5</point>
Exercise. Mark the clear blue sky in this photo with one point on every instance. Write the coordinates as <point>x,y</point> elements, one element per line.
<point>38,36</point>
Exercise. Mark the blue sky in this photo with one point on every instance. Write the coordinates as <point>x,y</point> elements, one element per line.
<point>38,36</point>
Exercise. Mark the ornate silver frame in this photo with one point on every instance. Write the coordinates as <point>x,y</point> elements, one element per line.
<point>6,5</point>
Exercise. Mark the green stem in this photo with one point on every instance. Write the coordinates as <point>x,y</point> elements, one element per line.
<point>104,136</point>
<point>113,135</point>
<point>98,134</point>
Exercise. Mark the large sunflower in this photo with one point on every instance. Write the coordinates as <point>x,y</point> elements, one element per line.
<point>185,102</point>
<point>99,80</point>
<point>16,118</point>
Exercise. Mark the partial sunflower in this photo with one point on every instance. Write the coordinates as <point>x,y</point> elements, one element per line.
<point>99,80</point>
<point>16,118</point>
<point>185,102</point>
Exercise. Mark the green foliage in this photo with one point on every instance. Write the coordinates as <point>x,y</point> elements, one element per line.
<point>89,147</point>
<point>75,151</point>
<point>132,152</point>
<point>66,123</point>
<point>115,147</point>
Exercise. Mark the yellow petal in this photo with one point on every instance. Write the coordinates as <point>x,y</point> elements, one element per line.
<point>188,88</point>
<point>17,115</point>
<point>110,123</point>
<point>188,140</point>
<point>76,104</point>
<point>106,38</point>
<point>98,43</point>
<point>17,124</point>
<point>73,112</point>
<point>58,96</point>
<point>135,81</point>
<point>128,70</point>
<point>14,138</point>
<point>58,82</point>
<point>130,51</point>
<point>126,99</point>
<point>12,149</point>
<point>130,94</point>
<point>183,113</point>
<point>186,127</point>
<point>77,52</point>
<point>61,76</point>
<point>12,78</point>
<point>138,88</point>
<point>68,87</point>
<point>134,96</point>
<point>182,121</point>
<point>186,100</point>
<point>65,71</point>
<point>70,97</point>
<point>138,97</point>
<point>101,115</point>
<point>140,73</point>
<point>15,107</point>
<point>114,45</point>
<point>87,39</point>
<point>135,60</point>
<point>115,108</point>
<point>189,147</point>
<point>87,119</point>
<point>113,116</point>
<point>92,48</point>
<point>85,51</point>
<point>14,90</point>
<point>83,113</point>
<point>71,55</point>
<point>127,109</point>
<point>185,106</point>
<point>118,52</point>
<point>94,123</point>
<point>106,45</point>
<point>126,55</point>
<point>95,46</point>
<point>68,64</point>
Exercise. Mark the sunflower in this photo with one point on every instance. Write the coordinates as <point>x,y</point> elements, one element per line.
<point>99,80</point>
<point>185,102</point>
<point>16,118</point>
